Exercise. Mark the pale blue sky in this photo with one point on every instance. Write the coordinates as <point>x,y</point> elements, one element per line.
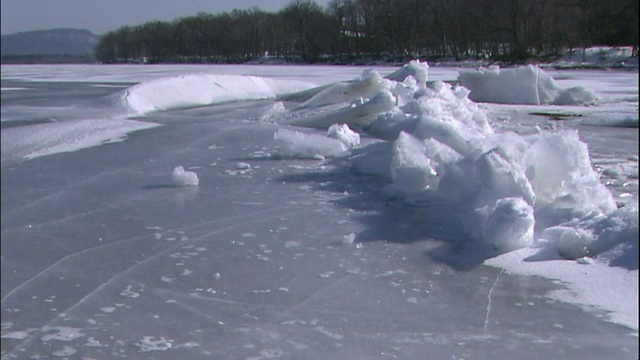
<point>100,16</point>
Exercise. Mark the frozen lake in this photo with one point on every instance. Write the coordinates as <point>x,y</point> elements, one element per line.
<point>279,252</point>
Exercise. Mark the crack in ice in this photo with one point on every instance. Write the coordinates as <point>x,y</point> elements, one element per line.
<point>315,295</point>
<point>68,310</point>
<point>486,318</point>
<point>136,238</point>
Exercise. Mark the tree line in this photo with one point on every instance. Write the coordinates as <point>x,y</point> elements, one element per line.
<point>352,31</point>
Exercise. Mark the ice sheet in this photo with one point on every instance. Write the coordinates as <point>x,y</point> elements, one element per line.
<point>303,257</point>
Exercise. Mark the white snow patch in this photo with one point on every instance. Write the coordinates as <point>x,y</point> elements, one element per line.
<point>129,293</point>
<point>62,333</point>
<point>152,343</point>
<point>28,142</point>
<point>15,335</point>
<point>108,309</point>
<point>610,289</point>
<point>65,351</point>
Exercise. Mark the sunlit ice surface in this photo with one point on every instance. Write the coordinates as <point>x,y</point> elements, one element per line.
<point>207,212</point>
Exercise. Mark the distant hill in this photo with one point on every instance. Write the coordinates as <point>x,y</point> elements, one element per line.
<point>68,42</point>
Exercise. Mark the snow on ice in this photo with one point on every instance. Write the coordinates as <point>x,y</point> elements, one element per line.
<point>440,141</point>
<point>28,142</point>
<point>200,89</point>
<point>518,195</point>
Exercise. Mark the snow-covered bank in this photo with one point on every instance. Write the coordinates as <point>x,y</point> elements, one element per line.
<point>598,57</point>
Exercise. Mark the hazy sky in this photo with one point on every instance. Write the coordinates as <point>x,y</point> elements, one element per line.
<point>100,16</point>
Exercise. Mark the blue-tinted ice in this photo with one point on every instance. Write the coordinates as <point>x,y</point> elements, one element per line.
<point>370,251</point>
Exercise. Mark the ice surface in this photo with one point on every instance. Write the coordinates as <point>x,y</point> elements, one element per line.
<point>28,142</point>
<point>380,248</point>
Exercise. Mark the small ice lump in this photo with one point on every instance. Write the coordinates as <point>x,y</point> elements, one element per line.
<point>180,177</point>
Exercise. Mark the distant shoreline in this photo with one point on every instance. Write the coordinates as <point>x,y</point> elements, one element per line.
<point>47,59</point>
<point>91,60</point>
